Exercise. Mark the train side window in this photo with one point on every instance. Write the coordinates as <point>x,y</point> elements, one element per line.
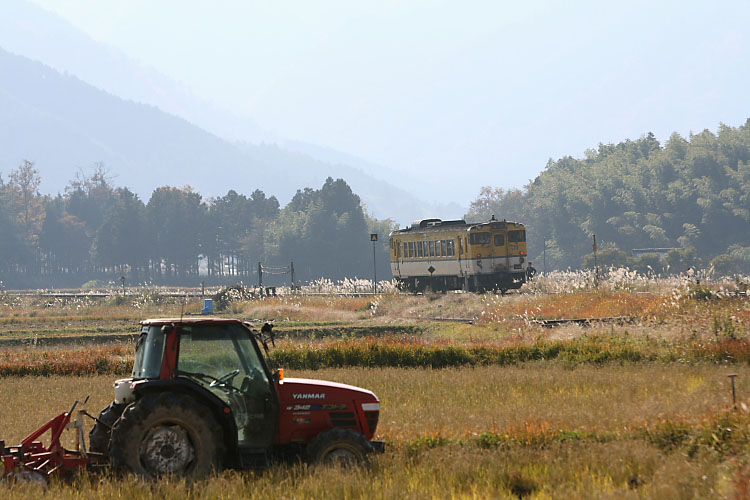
<point>437,248</point>
<point>420,252</point>
<point>412,249</point>
<point>499,240</point>
<point>444,248</point>
<point>517,236</point>
<point>432,248</point>
<point>451,248</point>
<point>426,249</point>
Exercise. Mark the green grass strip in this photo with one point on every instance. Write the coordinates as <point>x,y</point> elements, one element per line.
<point>726,433</point>
<point>376,353</point>
<point>591,350</point>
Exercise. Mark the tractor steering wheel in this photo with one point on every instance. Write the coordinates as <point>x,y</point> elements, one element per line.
<point>224,378</point>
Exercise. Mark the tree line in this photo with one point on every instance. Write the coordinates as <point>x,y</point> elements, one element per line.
<point>688,199</point>
<point>95,230</point>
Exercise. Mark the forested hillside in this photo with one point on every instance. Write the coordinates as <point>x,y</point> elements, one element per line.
<point>690,195</point>
<point>96,231</point>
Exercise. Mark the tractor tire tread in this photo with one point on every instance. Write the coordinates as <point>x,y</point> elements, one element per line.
<point>318,447</point>
<point>137,418</point>
<point>102,431</point>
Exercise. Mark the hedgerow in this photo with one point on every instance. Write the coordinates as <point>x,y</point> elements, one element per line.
<point>372,353</point>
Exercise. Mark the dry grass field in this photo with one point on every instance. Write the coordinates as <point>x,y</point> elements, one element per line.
<point>637,407</point>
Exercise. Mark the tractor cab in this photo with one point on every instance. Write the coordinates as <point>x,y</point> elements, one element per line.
<point>221,357</point>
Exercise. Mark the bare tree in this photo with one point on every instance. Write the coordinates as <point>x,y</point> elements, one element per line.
<point>25,180</point>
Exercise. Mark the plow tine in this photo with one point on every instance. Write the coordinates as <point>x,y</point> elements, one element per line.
<point>41,466</point>
<point>33,460</point>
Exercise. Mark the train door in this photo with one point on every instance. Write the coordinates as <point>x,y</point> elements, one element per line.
<point>465,261</point>
<point>501,259</point>
<point>396,244</point>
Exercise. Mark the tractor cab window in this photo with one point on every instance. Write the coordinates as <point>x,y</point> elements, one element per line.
<point>148,353</point>
<point>225,360</point>
<point>482,238</point>
<point>224,353</point>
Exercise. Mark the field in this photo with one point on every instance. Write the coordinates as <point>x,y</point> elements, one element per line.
<point>480,397</point>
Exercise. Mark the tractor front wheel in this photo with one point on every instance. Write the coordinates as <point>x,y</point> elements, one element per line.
<point>344,447</point>
<point>167,434</point>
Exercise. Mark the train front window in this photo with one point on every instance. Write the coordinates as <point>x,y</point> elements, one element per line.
<point>479,238</point>
<point>517,236</point>
<point>499,240</point>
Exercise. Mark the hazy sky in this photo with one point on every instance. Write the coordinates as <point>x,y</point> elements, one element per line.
<point>476,93</point>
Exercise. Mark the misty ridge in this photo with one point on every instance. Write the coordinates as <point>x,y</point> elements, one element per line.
<point>63,124</point>
<point>88,103</point>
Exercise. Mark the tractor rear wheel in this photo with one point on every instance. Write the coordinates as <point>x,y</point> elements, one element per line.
<point>102,430</point>
<point>167,434</point>
<point>344,447</point>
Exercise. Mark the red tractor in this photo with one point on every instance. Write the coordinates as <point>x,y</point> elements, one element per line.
<point>202,398</point>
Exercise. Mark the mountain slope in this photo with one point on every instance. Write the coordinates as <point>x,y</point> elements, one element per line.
<point>43,36</point>
<point>64,124</point>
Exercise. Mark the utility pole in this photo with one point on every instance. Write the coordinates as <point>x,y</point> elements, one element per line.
<point>596,266</point>
<point>374,239</point>
<point>291,270</point>
<point>260,278</point>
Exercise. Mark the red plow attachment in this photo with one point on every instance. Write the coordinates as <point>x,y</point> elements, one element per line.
<point>32,460</point>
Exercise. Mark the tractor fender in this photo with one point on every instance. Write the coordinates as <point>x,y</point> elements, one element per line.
<point>219,409</point>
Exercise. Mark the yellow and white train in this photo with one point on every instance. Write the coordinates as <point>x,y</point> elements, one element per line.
<point>452,255</point>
